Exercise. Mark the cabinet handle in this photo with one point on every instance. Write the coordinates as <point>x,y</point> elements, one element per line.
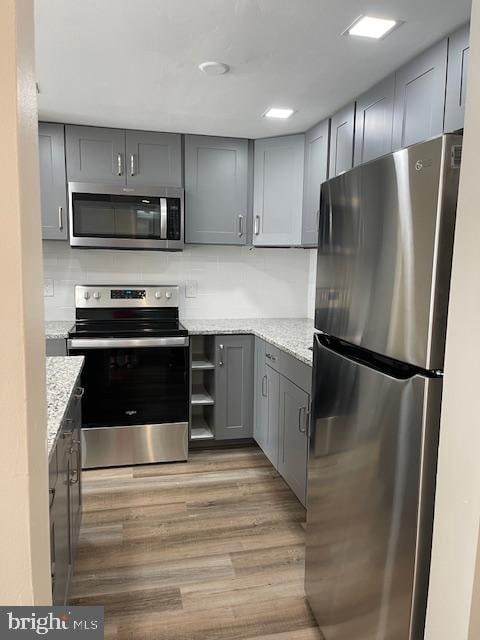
<point>119,164</point>
<point>257,226</point>
<point>75,473</point>
<point>240,226</point>
<point>270,357</point>
<point>221,351</point>
<point>265,386</point>
<point>52,499</point>
<point>79,391</point>
<point>60,218</point>
<point>132,164</point>
<point>302,419</point>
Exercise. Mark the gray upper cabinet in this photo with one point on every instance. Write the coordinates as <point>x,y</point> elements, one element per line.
<point>95,155</point>
<point>216,187</point>
<point>374,121</point>
<point>458,53</point>
<point>342,130</point>
<point>153,159</point>
<point>278,191</point>
<point>51,145</point>
<point>315,172</point>
<point>420,97</point>
<point>293,418</point>
<point>234,387</point>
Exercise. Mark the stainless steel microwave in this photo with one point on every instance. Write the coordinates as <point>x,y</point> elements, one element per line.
<point>108,217</point>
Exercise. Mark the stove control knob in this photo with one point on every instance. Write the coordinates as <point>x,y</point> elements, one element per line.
<point>158,295</point>
<point>86,295</point>
<point>96,295</point>
<point>168,295</point>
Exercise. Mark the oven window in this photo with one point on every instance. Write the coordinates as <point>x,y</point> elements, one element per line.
<point>109,216</point>
<point>135,386</point>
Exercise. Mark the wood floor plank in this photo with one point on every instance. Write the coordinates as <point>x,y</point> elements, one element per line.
<point>208,550</point>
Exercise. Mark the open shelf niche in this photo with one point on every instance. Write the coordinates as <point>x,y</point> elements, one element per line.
<point>203,388</point>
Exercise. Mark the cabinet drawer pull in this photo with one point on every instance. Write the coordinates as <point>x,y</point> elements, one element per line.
<point>257,226</point>
<point>52,499</point>
<point>60,218</point>
<point>270,357</point>
<point>132,164</point>
<point>119,164</point>
<point>265,386</point>
<point>221,351</point>
<point>79,391</point>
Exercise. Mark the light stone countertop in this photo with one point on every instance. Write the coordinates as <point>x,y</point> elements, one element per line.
<point>58,329</point>
<point>292,335</point>
<point>62,374</point>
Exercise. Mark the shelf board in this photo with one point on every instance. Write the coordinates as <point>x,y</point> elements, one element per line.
<point>201,431</point>
<point>201,397</point>
<point>200,363</point>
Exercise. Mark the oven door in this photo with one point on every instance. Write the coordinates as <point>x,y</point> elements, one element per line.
<point>102,216</point>
<point>136,402</point>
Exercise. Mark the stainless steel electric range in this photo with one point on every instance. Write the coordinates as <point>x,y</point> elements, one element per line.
<point>136,374</point>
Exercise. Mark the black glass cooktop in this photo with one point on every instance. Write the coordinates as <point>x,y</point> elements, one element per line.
<point>127,329</point>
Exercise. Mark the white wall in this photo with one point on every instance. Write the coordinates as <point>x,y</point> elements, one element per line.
<point>232,282</point>
<point>24,529</point>
<point>452,610</point>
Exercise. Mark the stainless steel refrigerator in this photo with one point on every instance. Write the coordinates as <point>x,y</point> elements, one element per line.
<point>383,272</point>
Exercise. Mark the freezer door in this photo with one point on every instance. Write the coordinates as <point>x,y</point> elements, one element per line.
<point>371,478</point>
<point>385,249</point>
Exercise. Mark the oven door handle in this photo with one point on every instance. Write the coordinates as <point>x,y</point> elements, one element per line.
<point>126,343</point>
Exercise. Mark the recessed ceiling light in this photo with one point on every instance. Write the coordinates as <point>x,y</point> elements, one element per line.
<point>369,27</point>
<point>277,112</point>
<point>212,68</point>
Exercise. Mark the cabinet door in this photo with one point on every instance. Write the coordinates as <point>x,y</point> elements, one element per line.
<point>75,474</point>
<point>278,191</point>
<point>95,155</point>
<point>272,440</point>
<point>341,141</point>
<point>260,401</point>
<point>53,182</point>
<point>374,121</point>
<point>458,54</point>
<point>153,159</point>
<point>293,419</point>
<point>234,387</point>
<point>216,187</point>
<point>316,172</point>
<point>420,97</point>
<point>60,531</point>
<point>56,347</point>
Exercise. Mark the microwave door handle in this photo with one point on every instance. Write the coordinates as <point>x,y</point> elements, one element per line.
<point>163,218</point>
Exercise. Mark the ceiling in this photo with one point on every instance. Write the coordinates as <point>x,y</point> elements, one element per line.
<point>134,64</point>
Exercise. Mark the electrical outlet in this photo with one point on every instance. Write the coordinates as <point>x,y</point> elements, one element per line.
<point>191,287</point>
<point>48,289</point>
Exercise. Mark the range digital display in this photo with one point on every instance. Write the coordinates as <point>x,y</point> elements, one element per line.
<point>127,294</point>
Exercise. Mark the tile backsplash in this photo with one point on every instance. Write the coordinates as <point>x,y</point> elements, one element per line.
<point>215,281</point>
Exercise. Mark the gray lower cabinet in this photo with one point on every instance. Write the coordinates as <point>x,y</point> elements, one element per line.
<point>278,191</point>
<point>272,440</point>
<point>95,154</point>
<point>153,159</point>
<point>420,97</point>
<point>65,501</point>
<point>315,172</point>
<point>374,121</point>
<point>56,347</point>
<point>53,182</point>
<point>342,130</point>
<point>234,387</point>
<point>216,190</point>
<point>294,410</point>
<point>458,54</point>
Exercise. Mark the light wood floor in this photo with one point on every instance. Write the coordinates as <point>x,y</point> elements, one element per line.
<point>212,549</point>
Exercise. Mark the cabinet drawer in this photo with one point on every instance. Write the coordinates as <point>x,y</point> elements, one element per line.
<point>289,366</point>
